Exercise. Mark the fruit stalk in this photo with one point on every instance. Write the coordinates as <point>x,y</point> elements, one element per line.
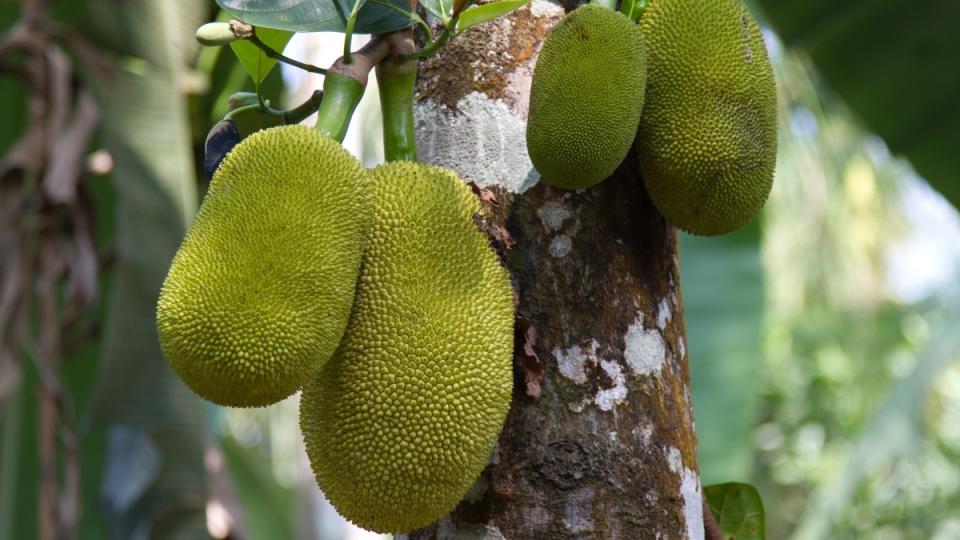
<point>341,96</point>
<point>343,87</point>
<point>396,76</point>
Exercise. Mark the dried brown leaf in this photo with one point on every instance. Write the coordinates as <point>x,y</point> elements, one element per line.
<point>485,195</point>
<point>531,365</point>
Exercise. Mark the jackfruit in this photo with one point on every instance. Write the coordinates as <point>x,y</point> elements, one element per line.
<point>707,141</point>
<point>259,292</point>
<point>586,97</point>
<point>238,123</point>
<point>402,420</point>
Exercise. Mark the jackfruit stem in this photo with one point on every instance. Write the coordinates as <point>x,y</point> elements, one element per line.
<point>633,9</point>
<point>348,35</point>
<point>249,33</point>
<point>435,46</point>
<point>341,95</point>
<point>249,115</point>
<point>412,15</point>
<point>304,110</point>
<point>252,118</point>
<point>396,76</point>
<point>343,87</point>
<point>609,4</point>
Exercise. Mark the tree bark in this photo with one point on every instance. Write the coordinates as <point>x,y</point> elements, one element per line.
<point>599,441</point>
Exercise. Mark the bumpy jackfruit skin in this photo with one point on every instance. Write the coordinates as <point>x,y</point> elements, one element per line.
<point>402,421</point>
<point>707,141</point>
<point>260,291</point>
<point>586,97</point>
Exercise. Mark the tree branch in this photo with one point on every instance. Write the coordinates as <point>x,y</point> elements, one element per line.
<point>248,32</point>
<point>710,526</point>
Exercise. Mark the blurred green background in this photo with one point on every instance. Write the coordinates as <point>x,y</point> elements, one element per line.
<point>823,337</point>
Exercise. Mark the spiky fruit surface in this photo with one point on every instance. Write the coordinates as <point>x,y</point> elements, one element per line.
<point>259,293</point>
<point>586,97</point>
<point>708,136</point>
<point>402,420</point>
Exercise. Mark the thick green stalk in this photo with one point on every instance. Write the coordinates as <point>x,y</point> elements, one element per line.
<point>609,4</point>
<point>304,110</point>
<point>343,87</point>
<point>633,8</point>
<point>395,79</point>
<point>341,94</point>
<point>434,46</point>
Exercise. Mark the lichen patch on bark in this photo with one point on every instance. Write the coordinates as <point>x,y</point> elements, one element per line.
<point>485,142</point>
<point>571,362</point>
<point>608,398</point>
<point>560,246</point>
<point>644,350</point>
<point>691,493</point>
<point>663,313</point>
<point>552,214</point>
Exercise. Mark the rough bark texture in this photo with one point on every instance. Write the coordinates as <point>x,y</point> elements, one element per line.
<point>599,442</point>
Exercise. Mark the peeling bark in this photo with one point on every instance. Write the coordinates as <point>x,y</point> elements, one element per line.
<point>599,442</point>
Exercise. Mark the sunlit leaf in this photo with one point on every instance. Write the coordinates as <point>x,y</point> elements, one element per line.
<point>254,60</point>
<point>317,15</point>
<point>738,510</point>
<point>474,15</point>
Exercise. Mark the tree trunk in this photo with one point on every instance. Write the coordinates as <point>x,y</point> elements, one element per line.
<point>599,442</point>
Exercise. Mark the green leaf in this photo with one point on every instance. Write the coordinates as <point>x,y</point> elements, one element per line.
<point>723,296</point>
<point>738,510</point>
<point>895,64</point>
<point>438,8</point>
<point>255,61</point>
<point>474,15</point>
<point>317,15</point>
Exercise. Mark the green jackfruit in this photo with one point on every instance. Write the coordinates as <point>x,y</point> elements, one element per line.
<point>707,142</point>
<point>402,420</point>
<point>259,293</point>
<point>586,97</point>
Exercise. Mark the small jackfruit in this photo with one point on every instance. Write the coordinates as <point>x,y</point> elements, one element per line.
<point>586,97</point>
<point>259,293</point>
<point>402,420</point>
<point>216,33</point>
<point>707,141</point>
